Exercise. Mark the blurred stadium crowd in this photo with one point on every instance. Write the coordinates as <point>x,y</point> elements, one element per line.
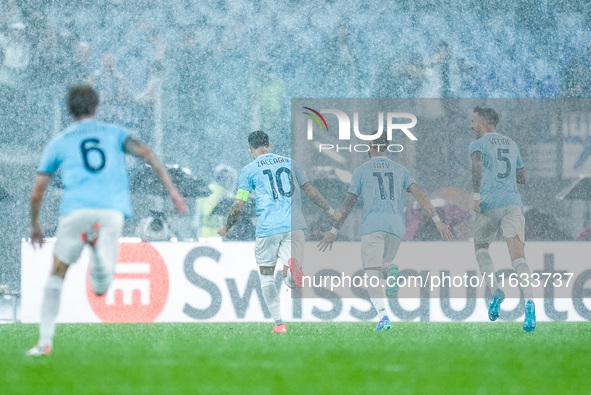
<point>229,65</point>
<point>193,78</point>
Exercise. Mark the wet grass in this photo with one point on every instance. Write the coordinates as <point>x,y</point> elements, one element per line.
<point>312,358</point>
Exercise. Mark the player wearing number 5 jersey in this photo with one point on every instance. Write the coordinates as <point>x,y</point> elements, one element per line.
<point>95,202</point>
<point>381,184</point>
<point>277,183</point>
<point>497,167</point>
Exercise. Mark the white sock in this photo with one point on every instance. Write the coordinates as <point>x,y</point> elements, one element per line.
<point>100,275</point>
<point>376,294</point>
<point>485,264</point>
<point>521,266</point>
<point>271,297</point>
<point>49,310</point>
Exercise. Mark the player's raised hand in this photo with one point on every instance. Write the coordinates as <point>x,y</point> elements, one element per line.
<point>37,235</point>
<point>327,241</point>
<point>476,205</point>
<point>222,231</point>
<point>444,230</point>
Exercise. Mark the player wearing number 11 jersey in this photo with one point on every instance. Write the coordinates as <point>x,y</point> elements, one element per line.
<point>497,168</point>
<point>381,184</point>
<point>95,202</point>
<point>277,183</point>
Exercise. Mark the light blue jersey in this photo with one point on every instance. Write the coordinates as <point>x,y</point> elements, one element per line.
<point>501,159</point>
<point>381,184</point>
<point>91,157</point>
<point>276,181</point>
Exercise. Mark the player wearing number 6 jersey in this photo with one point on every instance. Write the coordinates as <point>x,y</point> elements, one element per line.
<point>497,167</point>
<point>381,183</point>
<point>277,183</point>
<point>95,202</point>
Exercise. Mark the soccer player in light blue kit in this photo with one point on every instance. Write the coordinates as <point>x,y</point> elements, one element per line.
<point>381,183</point>
<point>496,169</point>
<point>277,183</point>
<point>95,201</point>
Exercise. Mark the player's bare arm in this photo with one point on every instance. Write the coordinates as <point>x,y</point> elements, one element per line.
<point>521,176</point>
<point>318,199</point>
<point>345,210</point>
<point>233,216</point>
<point>477,160</point>
<point>428,207</point>
<point>37,194</point>
<point>339,218</point>
<point>140,150</point>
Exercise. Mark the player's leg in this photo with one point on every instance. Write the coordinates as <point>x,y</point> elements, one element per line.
<point>517,254</point>
<point>513,227</point>
<point>50,308</point>
<point>66,251</point>
<point>372,252</point>
<point>105,249</point>
<point>291,254</point>
<point>485,230</point>
<point>485,227</point>
<point>486,266</point>
<point>391,245</point>
<point>266,255</point>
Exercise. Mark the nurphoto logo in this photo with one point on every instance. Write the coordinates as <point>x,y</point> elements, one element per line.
<point>393,123</point>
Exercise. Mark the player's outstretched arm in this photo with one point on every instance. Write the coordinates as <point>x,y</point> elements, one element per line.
<point>477,160</point>
<point>345,209</point>
<point>339,217</point>
<point>139,149</point>
<point>37,194</point>
<point>233,216</point>
<point>521,179</point>
<point>318,199</point>
<point>428,207</point>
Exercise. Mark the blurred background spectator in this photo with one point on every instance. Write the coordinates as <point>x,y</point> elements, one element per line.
<point>110,84</point>
<point>401,78</point>
<point>223,188</point>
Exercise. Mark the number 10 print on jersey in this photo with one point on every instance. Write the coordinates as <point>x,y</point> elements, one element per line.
<point>279,187</point>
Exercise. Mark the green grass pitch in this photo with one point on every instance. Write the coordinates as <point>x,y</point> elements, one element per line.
<point>312,358</point>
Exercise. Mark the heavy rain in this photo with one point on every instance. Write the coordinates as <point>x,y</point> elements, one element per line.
<point>193,79</point>
<point>188,310</point>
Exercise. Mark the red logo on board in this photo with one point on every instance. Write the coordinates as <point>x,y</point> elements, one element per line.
<point>139,289</point>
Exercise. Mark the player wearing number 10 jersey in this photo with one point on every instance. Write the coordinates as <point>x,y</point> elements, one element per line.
<point>277,183</point>
<point>95,200</point>
<point>497,167</point>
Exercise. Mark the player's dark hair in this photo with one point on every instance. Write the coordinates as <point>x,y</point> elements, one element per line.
<point>258,139</point>
<point>382,140</point>
<point>488,114</point>
<point>82,100</point>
